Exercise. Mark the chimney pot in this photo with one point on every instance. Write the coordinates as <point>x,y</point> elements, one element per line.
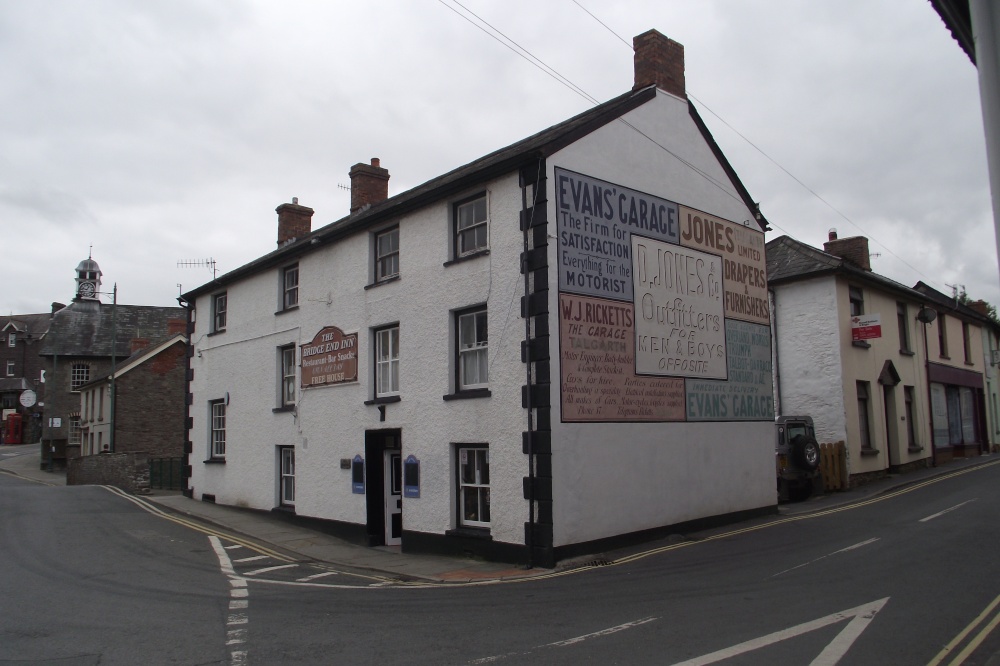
<point>833,235</point>
<point>369,185</point>
<point>659,61</point>
<point>294,221</point>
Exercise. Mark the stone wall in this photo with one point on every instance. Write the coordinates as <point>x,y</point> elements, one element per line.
<point>126,471</point>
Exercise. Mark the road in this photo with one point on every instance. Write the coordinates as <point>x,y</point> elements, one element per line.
<point>88,574</point>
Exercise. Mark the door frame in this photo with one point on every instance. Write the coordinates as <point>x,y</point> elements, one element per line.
<point>377,442</point>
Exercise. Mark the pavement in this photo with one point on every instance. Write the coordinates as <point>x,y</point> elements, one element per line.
<point>305,544</point>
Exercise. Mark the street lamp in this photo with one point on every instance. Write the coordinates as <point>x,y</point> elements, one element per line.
<point>114,360</point>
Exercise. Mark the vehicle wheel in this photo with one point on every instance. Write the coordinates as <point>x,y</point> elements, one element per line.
<point>805,451</point>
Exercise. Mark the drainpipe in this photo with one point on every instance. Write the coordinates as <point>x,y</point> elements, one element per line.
<point>773,297</point>
<point>188,355</point>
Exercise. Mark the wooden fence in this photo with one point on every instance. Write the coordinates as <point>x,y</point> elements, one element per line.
<point>833,465</point>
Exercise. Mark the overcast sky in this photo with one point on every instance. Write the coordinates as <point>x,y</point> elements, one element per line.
<point>169,130</point>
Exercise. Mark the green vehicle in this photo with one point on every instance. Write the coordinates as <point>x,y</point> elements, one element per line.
<point>797,458</point>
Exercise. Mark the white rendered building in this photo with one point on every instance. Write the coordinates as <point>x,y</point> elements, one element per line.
<point>560,346</point>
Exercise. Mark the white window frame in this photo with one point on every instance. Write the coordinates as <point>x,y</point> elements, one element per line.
<point>467,224</point>
<point>79,375</point>
<point>387,361</point>
<point>217,429</point>
<point>12,339</point>
<point>286,475</point>
<point>387,258</point>
<point>10,368</point>
<point>290,287</point>
<point>74,430</point>
<point>286,375</point>
<point>473,485</point>
<point>471,350</point>
<point>220,314</point>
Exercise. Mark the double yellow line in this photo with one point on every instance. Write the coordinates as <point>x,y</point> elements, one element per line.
<point>976,640</point>
<point>199,527</point>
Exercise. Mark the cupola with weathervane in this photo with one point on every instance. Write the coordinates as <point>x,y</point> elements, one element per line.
<point>88,280</point>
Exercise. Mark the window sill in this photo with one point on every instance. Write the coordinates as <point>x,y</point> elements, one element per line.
<point>286,310</point>
<point>907,352</point>
<point>861,344</point>
<point>384,400</point>
<point>869,452</point>
<point>468,394</point>
<point>915,449</point>
<point>285,408</point>
<point>214,461</point>
<point>218,332</point>
<point>969,363</point>
<point>467,257</point>
<point>394,278</point>
<point>470,533</point>
<point>945,357</point>
<point>284,508</point>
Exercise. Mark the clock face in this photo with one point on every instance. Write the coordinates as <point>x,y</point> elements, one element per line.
<point>87,289</point>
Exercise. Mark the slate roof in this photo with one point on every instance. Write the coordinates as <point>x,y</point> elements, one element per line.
<point>502,161</point>
<point>944,302</point>
<point>789,260</point>
<point>958,19</point>
<point>11,384</point>
<point>34,324</point>
<point>83,328</point>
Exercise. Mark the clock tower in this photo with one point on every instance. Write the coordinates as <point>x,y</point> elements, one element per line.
<point>88,280</point>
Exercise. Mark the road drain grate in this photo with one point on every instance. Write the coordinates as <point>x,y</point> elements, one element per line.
<point>599,563</point>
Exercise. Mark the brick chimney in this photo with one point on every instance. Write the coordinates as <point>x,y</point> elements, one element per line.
<point>138,344</point>
<point>294,221</point>
<point>369,185</point>
<point>853,249</point>
<point>659,61</point>
<point>982,307</point>
<point>175,326</point>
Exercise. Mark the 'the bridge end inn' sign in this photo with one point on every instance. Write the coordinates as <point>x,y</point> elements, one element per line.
<point>330,358</point>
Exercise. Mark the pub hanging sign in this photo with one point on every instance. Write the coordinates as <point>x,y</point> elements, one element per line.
<point>330,358</point>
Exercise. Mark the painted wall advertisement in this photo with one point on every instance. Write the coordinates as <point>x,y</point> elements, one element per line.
<point>663,310</point>
<point>330,358</point>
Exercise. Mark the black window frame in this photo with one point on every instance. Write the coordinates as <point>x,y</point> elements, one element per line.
<point>967,342</point>
<point>942,335</point>
<point>865,415</point>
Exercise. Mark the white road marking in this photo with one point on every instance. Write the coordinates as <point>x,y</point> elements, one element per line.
<point>602,632</point>
<point>831,654</point>
<point>836,552</point>
<point>238,600</point>
<point>941,513</point>
<point>251,559</point>
<point>266,569</point>
<point>323,574</point>
<point>234,546</point>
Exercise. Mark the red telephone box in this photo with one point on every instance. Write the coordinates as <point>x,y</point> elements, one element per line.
<point>12,433</point>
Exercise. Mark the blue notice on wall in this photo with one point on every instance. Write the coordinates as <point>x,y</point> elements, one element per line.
<point>411,477</point>
<point>358,475</point>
